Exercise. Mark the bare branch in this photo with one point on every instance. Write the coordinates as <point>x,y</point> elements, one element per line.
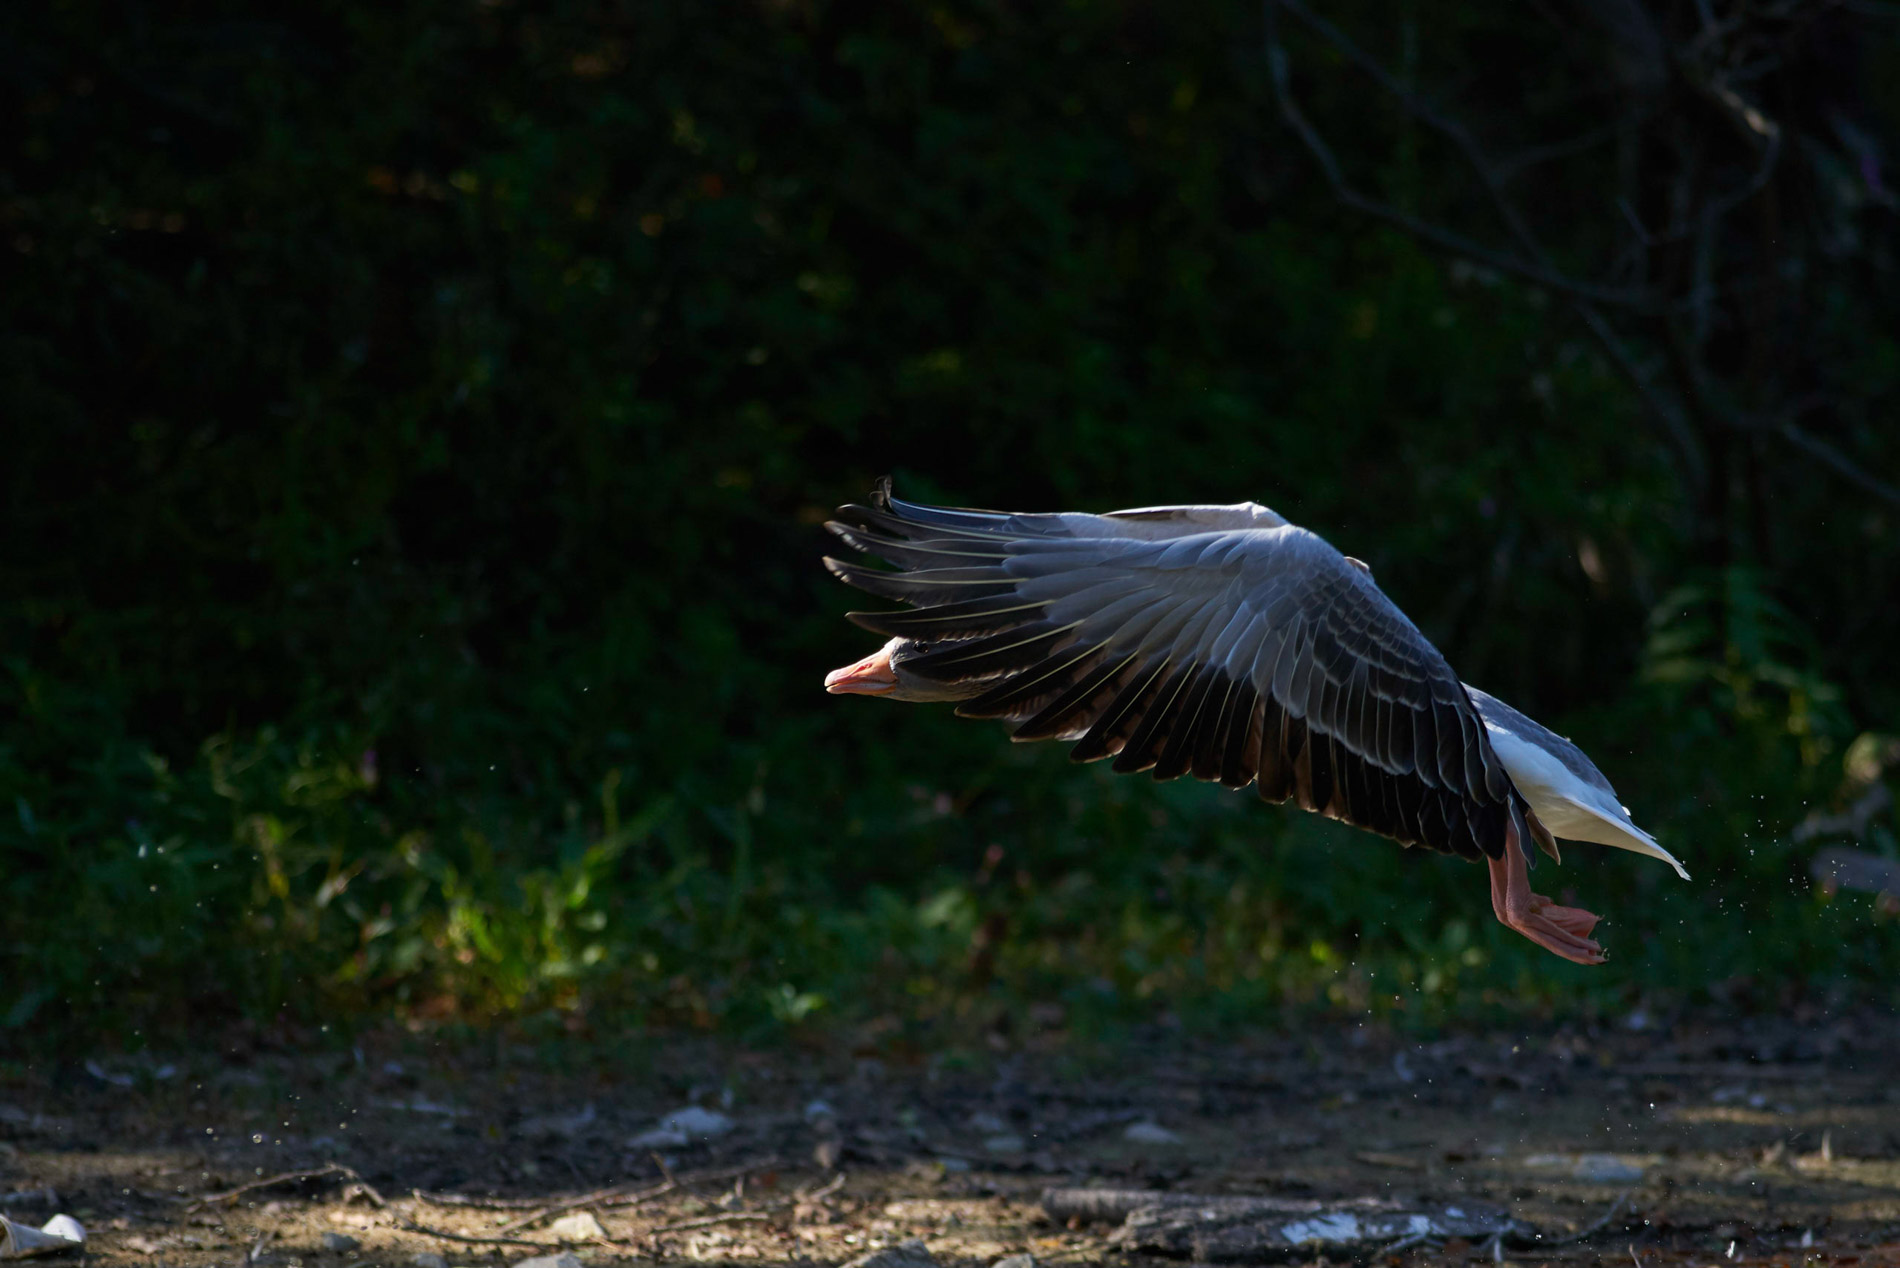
<point>1582,295</point>
<point>1664,411</point>
<point>1591,1230</point>
<point>1770,154</point>
<point>618,1195</point>
<point>1815,447</point>
<point>1460,136</point>
<point>1426,231</point>
<point>707,1221</point>
<point>445,1235</point>
<point>1511,166</point>
<point>314,1173</point>
<point>1533,263</point>
<point>1756,129</point>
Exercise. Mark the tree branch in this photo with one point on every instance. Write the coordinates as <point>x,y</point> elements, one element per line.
<point>1815,447</point>
<point>1582,295</point>
<point>1537,270</point>
<point>1510,166</point>
<point>1532,262</point>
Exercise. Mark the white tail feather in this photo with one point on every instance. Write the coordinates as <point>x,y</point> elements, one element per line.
<point>1569,807</point>
<point>1587,823</point>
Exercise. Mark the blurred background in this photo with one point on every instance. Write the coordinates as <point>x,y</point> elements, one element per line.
<point>420,416</point>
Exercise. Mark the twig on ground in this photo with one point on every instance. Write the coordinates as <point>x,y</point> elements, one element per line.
<point>692,1178</point>
<point>820,1194</point>
<point>610,1198</point>
<point>426,1231</point>
<point>614,1195</point>
<point>313,1173</point>
<point>467,1202</point>
<point>707,1221</point>
<point>1405,1243</point>
<point>642,1197</point>
<point>1582,1233</point>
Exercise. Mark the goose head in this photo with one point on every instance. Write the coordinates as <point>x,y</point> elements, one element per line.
<point>883,673</point>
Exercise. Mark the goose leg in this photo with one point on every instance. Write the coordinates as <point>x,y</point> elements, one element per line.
<point>1563,930</point>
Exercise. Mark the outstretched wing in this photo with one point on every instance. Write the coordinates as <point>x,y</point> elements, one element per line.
<point>1220,642</point>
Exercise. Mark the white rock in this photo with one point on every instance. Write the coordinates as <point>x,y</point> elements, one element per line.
<point>566,1259</point>
<point>559,1126</point>
<point>1015,1261</point>
<point>911,1254</point>
<point>581,1226</point>
<point>683,1127</point>
<point>423,1105</point>
<point>1606,1169</point>
<point>47,1196</point>
<point>428,1259</point>
<point>114,1077</point>
<point>1150,1133</point>
<point>1594,1168</point>
<point>1332,1227</point>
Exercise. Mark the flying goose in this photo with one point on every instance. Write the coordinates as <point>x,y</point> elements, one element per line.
<point>1226,643</point>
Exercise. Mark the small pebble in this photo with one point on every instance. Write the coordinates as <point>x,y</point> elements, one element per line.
<point>1015,1261</point>
<point>683,1126</point>
<point>566,1259</point>
<point>910,1254</point>
<point>429,1259</point>
<point>581,1226</point>
<point>1147,1133</point>
<point>1606,1169</point>
<point>341,1243</point>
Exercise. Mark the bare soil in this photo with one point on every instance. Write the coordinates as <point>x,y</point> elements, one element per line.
<point>1770,1141</point>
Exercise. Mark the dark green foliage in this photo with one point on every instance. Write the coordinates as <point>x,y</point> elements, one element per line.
<point>417,420</point>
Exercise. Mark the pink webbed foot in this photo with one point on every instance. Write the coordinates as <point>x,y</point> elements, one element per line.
<point>1564,931</point>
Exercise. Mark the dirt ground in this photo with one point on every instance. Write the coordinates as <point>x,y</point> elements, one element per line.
<point>1771,1141</point>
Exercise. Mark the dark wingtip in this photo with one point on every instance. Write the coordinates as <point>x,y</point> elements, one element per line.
<point>848,532</point>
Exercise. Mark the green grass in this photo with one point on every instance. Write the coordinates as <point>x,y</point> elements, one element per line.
<point>266,876</point>
<point>418,420</point>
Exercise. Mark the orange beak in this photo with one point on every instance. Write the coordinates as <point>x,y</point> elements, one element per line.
<point>871,676</point>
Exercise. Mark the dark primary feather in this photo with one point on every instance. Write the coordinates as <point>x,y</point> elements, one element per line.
<point>1219,642</point>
